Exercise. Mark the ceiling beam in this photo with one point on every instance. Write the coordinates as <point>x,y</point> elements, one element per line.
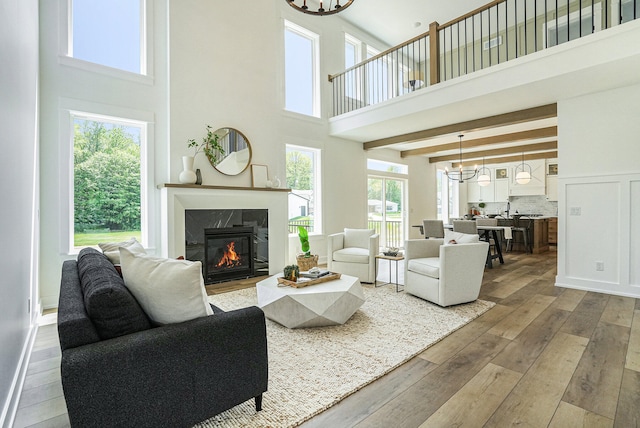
<point>532,134</point>
<point>535,113</point>
<point>550,145</point>
<point>507,159</point>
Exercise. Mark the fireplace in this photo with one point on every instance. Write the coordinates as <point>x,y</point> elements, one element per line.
<point>229,254</point>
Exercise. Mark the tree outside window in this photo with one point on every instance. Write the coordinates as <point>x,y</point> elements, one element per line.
<point>302,167</point>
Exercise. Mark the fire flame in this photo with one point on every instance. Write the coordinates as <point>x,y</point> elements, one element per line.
<point>230,257</point>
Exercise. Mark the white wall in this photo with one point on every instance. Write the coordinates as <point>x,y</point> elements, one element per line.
<point>65,86</point>
<point>599,192</point>
<point>18,189</point>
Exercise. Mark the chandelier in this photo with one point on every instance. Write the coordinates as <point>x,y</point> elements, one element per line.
<point>523,176</point>
<point>461,174</point>
<point>321,10</point>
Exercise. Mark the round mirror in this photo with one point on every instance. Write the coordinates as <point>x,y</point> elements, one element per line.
<point>235,156</point>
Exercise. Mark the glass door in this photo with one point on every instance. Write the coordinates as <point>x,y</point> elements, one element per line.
<point>386,210</point>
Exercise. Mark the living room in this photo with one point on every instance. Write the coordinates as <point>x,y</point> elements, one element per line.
<point>193,85</point>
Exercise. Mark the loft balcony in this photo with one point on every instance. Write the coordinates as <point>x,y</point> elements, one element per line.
<point>507,56</point>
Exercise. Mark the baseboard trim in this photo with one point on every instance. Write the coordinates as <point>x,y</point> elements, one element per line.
<point>11,405</point>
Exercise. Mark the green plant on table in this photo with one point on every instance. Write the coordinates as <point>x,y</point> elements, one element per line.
<point>304,241</point>
<point>291,272</point>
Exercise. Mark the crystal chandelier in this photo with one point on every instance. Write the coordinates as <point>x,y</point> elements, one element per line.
<point>523,176</point>
<point>321,10</point>
<point>461,174</point>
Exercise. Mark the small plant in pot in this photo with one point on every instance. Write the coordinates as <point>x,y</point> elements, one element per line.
<point>305,260</point>
<point>210,146</point>
<point>291,273</point>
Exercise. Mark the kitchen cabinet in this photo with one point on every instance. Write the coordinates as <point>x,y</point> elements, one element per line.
<point>552,187</point>
<point>478,193</point>
<point>553,231</point>
<point>501,190</point>
<point>540,235</point>
<point>536,186</point>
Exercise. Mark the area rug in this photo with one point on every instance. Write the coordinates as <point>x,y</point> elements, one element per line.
<point>314,368</point>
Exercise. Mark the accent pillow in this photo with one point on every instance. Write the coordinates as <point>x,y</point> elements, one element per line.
<point>169,291</point>
<point>460,238</point>
<point>357,237</point>
<point>112,308</point>
<point>110,249</point>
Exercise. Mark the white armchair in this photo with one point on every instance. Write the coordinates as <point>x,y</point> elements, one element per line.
<point>353,252</point>
<point>444,274</point>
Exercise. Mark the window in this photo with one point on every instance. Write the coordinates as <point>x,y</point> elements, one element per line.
<point>303,178</point>
<point>108,196</point>
<point>447,197</point>
<point>109,33</point>
<point>383,166</point>
<point>353,56</point>
<point>387,201</point>
<point>302,85</point>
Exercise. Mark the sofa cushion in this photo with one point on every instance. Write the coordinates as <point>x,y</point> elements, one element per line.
<point>351,255</point>
<point>169,290</point>
<point>460,238</point>
<point>357,237</point>
<point>111,249</point>
<point>110,305</point>
<point>429,266</point>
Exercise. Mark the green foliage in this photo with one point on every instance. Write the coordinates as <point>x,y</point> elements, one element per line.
<point>210,146</point>
<point>304,241</point>
<point>106,178</point>
<point>299,171</point>
<point>291,272</point>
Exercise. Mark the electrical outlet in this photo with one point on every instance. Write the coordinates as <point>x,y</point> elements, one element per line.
<point>575,211</point>
<point>599,266</point>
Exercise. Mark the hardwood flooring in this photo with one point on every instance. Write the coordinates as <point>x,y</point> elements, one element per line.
<point>542,357</point>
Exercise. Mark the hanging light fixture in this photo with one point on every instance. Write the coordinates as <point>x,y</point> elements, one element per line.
<point>523,172</point>
<point>321,10</point>
<point>461,174</point>
<point>484,175</point>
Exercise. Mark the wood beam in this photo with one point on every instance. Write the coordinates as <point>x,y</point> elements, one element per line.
<point>550,145</point>
<point>507,159</point>
<point>535,113</point>
<point>513,137</point>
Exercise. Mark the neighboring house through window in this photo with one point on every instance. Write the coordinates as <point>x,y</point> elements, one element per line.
<point>303,178</point>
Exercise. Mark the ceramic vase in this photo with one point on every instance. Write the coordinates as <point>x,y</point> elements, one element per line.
<point>188,175</point>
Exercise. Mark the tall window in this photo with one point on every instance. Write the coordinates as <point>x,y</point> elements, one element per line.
<point>110,33</point>
<point>353,56</point>
<point>386,201</point>
<point>107,179</point>
<point>303,178</point>
<point>447,197</point>
<point>302,85</point>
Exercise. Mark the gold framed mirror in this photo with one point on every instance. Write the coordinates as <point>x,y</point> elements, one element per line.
<point>237,152</point>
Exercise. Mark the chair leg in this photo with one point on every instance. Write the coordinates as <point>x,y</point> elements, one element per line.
<point>258,403</point>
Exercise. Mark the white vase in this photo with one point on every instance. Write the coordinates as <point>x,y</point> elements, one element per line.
<point>188,175</point>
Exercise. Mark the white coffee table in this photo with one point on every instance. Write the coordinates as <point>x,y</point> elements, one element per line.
<point>327,303</point>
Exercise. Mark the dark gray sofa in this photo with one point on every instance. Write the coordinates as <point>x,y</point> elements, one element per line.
<point>119,370</point>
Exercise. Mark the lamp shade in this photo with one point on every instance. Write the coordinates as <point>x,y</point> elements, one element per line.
<point>523,177</point>
<point>484,180</point>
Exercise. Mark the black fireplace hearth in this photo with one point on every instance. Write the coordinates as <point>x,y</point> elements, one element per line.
<point>229,254</point>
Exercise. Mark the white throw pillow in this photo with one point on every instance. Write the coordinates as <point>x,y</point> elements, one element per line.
<point>111,249</point>
<point>460,238</point>
<point>168,290</point>
<point>358,238</point>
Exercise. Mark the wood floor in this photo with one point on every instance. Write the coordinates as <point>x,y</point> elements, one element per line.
<point>543,356</point>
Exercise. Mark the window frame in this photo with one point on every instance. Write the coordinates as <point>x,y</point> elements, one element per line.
<point>317,186</point>
<point>65,54</point>
<point>70,109</point>
<point>315,66</point>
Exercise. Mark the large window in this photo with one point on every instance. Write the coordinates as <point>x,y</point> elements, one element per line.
<point>301,70</point>
<point>387,201</point>
<point>109,33</point>
<point>108,177</point>
<point>353,56</point>
<point>303,178</point>
<point>447,197</point>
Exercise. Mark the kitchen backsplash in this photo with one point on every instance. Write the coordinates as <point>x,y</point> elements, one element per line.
<point>523,204</point>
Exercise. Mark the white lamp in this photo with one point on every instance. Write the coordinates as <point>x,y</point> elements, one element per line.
<point>484,179</point>
<point>522,175</point>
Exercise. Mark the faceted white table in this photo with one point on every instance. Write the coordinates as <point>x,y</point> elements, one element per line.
<point>327,303</point>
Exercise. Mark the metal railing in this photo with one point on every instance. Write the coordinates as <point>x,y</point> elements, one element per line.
<point>293,225</point>
<point>394,235</point>
<point>492,34</point>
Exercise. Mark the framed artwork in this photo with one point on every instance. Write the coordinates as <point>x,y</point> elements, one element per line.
<point>259,175</point>
<point>501,173</point>
<point>553,169</point>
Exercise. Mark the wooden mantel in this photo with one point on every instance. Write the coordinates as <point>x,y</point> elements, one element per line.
<point>209,187</point>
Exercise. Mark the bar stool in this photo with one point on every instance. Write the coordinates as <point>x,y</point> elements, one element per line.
<point>522,225</point>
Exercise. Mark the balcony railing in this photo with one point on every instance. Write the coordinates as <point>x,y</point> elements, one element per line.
<point>394,236</point>
<point>493,34</point>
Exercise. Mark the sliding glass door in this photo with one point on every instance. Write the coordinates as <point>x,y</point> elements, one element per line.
<point>386,209</point>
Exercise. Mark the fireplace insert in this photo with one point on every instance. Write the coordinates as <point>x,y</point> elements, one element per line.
<point>229,254</point>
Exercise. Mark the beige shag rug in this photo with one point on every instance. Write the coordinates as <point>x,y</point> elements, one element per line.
<point>314,368</point>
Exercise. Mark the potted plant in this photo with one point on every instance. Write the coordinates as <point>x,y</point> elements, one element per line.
<point>210,146</point>
<point>291,273</point>
<point>305,260</point>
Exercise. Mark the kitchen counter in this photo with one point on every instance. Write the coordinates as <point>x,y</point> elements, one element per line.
<point>539,234</point>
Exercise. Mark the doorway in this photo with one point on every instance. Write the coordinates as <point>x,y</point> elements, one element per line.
<point>386,209</point>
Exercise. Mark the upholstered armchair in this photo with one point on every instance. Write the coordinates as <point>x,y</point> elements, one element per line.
<point>353,252</point>
<point>444,274</point>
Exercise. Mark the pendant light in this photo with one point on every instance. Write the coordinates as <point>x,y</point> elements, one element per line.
<point>461,174</point>
<point>484,177</point>
<point>523,172</point>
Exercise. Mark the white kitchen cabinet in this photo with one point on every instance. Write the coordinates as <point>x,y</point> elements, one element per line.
<point>552,187</point>
<point>478,193</point>
<point>501,189</point>
<point>537,184</point>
